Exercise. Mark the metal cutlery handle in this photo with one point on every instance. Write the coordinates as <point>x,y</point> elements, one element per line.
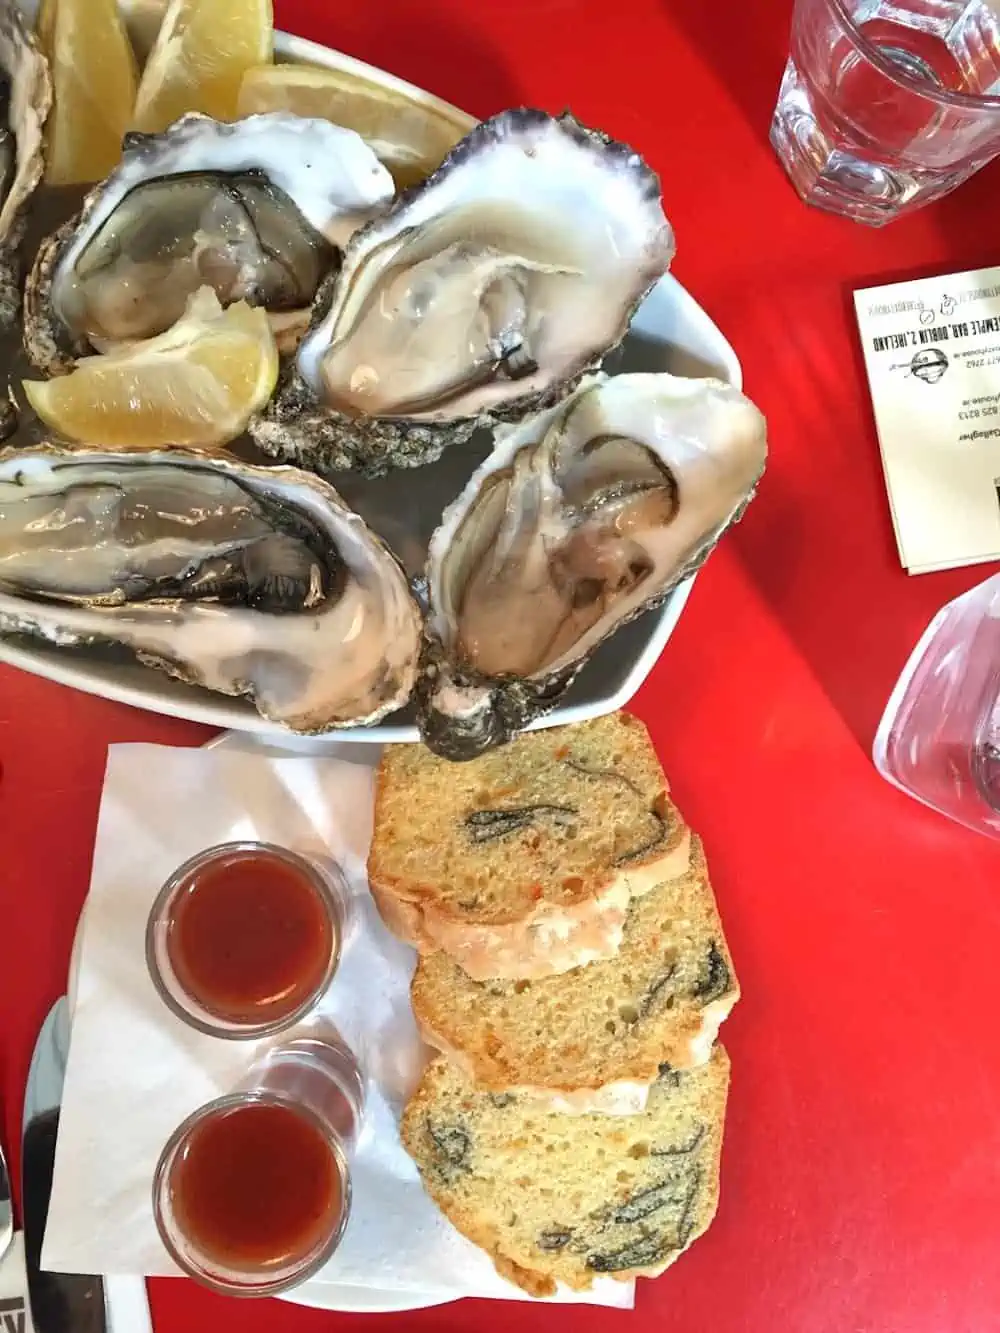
<point>6,1210</point>
<point>60,1302</point>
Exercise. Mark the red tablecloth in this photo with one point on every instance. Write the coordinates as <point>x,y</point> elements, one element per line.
<point>861,1173</point>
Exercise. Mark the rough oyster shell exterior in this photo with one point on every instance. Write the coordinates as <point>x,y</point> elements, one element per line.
<point>25,67</point>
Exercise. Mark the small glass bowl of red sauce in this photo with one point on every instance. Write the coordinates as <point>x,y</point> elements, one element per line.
<point>252,1193</point>
<point>245,937</point>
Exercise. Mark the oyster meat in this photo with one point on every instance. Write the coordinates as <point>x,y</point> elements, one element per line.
<point>582,518</point>
<point>25,101</point>
<point>482,295</point>
<point>245,580</point>
<point>259,209</point>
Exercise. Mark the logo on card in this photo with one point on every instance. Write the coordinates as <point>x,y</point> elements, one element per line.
<point>929,365</point>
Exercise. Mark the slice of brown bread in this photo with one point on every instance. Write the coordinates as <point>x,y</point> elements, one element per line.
<point>523,862</point>
<point>564,1198</point>
<point>593,1038</point>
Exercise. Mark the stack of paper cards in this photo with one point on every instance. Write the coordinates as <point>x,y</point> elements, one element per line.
<point>932,351</point>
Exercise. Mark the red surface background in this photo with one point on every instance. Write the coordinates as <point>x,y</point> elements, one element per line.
<point>861,1174</point>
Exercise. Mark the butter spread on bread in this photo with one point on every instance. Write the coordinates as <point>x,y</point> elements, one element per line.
<point>593,1038</point>
<point>523,863</point>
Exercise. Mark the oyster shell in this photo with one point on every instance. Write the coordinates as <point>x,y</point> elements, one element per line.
<point>482,295</point>
<point>25,101</point>
<point>249,581</point>
<point>259,209</point>
<point>582,518</point>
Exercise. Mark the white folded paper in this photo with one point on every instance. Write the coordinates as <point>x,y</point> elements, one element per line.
<point>135,1071</point>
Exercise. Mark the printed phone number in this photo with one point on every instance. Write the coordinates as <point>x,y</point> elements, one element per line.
<point>974,412</point>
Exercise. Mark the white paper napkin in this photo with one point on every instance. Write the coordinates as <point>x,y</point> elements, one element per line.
<point>135,1071</point>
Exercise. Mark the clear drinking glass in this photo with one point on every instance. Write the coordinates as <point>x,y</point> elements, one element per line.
<point>886,105</point>
<point>939,739</point>
<point>245,937</point>
<point>252,1192</point>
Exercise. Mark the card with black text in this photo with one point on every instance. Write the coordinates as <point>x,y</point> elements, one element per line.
<point>932,353</point>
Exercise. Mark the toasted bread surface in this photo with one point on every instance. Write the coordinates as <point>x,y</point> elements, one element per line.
<point>604,1029</point>
<point>523,862</point>
<point>555,1198</point>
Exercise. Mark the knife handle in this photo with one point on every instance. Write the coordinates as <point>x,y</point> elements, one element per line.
<point>60,1302</point>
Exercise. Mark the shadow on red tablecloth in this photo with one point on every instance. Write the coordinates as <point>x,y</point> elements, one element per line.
<point>818,540</point>
<point>745,50</point>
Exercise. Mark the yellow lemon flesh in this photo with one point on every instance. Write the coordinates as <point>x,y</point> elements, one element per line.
<point>201,53</point>
<point>93,83</point>
<point>407,136</point>
<point>197,384</point>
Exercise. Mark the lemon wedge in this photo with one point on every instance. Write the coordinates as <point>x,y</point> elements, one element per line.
<point>197,384</point>
<point>407,136</point>
<point>142,20</point>
<point>201,53</point>
<point>93,83</point>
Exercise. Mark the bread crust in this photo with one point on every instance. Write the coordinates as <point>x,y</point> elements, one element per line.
<point>616,1098</point>
<point>608,760</point>
<point>596,1039</point>
<point>522,1262</point>
<point>547,939</point>
<point>626,1094</point>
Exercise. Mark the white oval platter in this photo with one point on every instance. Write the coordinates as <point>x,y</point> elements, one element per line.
<point>670,332</point>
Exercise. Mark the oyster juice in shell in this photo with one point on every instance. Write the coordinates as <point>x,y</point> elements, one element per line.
<point>482,295</point>
<point>581,518</point>
<point>259,209</point>
<point>256,581</point>
<point>25,101</point>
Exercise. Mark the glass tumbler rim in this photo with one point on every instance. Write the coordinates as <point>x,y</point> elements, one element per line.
<point>918,87</point>
<point>215,1025</point>
<point>229,1102</point>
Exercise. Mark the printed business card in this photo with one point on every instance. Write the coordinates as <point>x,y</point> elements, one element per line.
<point>932,353</point>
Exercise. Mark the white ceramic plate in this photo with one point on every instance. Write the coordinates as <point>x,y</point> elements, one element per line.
<point>318,1295</point>
<point>670,332</point>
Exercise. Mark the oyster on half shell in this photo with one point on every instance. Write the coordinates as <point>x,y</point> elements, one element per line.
<point>580,519</point>
<point>25,101</point>
<point>248,581</point>
<point>483,294</point>
<point>259,209</point>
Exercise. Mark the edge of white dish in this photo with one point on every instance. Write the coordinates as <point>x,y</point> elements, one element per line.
<point>344,1298</point>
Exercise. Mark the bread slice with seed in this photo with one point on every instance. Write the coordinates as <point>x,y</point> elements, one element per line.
<point>593,1039</point>
<point>554,1198</point>
<point>522,863</point>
